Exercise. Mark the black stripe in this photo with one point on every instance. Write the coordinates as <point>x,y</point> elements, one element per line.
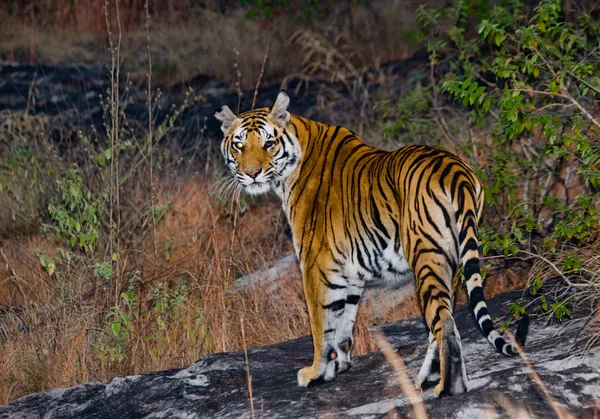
<point>471,268</point>
<point>487,327</point>
<point>328,283</point>
<point>470,223</point>
<point>337,305</point>
<point>475,297</point>
<point>482,312</point>
<point>499,343</point>
<point>332,286</point>
<point>428,298</point>
<point>470,245</point>
<point>437,316</point>
<point>353,299</point>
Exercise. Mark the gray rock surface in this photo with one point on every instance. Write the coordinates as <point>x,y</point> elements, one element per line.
<point>385,295</point>
<point>216,385</point>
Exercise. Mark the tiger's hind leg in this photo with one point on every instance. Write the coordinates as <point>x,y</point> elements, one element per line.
<point>430,370</point>
<point>434,278</point>
<point>453,376</point>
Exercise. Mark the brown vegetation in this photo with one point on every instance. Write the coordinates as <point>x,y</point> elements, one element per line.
<point>186,305</point>
<point>191,39</point>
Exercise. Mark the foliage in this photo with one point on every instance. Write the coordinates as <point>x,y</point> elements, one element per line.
<point>528,88</point>
<point>75,213</point>
<point>27,171</point>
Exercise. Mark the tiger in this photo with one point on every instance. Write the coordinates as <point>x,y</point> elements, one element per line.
<point>358,214</point>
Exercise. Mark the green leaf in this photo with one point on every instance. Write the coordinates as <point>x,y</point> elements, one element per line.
<point>115,327</point>
<point>47,263</point>
<point>498,38</point>
<point>544,303</point>
<point>537,285</point>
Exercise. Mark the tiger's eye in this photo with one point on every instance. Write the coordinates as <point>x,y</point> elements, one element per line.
<point>238,146</point>
<point>269,145</point>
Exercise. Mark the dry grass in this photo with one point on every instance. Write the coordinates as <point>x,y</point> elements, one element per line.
<point>188,43</point>
<point>185,307</point>
<point>185,304</point>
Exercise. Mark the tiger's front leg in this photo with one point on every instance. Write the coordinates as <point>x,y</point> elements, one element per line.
<point>326,301</point>
<point>345,329</point>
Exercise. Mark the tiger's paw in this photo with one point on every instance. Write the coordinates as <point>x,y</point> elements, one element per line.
<point>458,386</point>
<point>306,375</point>
<point>426,379</point>
<point>318,374</point>
<point>343,355</point>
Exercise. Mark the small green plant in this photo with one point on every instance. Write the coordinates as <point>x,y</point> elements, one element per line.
<point>561,310</point>
<point>47,263</point>
<point>517,308</point>
<point>75,213</point>
<point>103,270</point>
<point>119,327</point>
<point>543,304</point>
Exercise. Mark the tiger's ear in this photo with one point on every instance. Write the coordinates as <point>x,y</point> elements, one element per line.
<point>227,118</point>
<point>279,110</point>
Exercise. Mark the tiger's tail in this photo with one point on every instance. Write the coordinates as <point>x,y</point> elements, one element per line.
<point>470,261</point>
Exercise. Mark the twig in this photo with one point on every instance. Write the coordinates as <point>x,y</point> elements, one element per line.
<point>406,384</point>
<point>582,109</point>
<point>262,71</point>
<point>440,121</point>
<point>150,123</point>
<point>13,273</point>
<point>565,92</point>
<point>238,83</point>
<point>114,200</point>
<point>248,375</point>
<point>560,411</point>
<point>558,271</point>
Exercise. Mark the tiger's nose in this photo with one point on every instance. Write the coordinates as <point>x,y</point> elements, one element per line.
<point>252,172</point>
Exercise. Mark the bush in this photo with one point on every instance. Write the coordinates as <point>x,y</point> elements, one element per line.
<point>529,88</point>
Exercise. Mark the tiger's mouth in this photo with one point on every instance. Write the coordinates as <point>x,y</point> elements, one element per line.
<point>255,185</point>
<point>257,188</point>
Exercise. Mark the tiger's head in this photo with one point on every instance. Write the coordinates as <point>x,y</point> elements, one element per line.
<point>258,145</point>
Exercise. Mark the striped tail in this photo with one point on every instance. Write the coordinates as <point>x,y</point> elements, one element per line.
<point>470,260</point>
<point>482,316</point>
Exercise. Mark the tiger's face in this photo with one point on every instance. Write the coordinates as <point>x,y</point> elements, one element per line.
<point>257,146</point>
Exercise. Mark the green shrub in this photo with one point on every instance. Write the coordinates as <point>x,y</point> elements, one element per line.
<point>527,89</point>
<point>75,213</point>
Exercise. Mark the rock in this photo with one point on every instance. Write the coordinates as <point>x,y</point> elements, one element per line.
<point>384,294</point>
<point>69,95</point>
<point>216,385</point>
<point>267,279</point>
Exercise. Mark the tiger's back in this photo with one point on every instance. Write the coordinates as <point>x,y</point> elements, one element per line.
<point>358,214</point>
